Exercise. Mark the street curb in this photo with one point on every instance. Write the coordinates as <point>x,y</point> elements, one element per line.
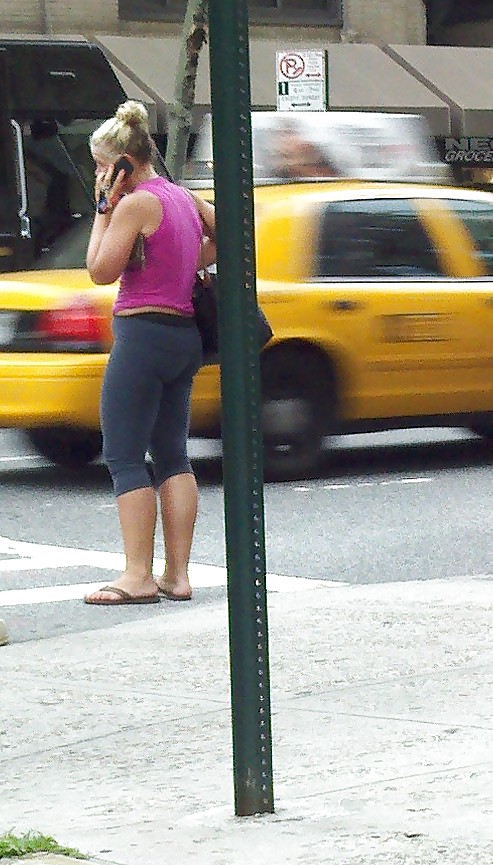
<point>4,637</point>
<point>53,859</point>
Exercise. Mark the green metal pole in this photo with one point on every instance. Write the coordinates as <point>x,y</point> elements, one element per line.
<point>240,395</point>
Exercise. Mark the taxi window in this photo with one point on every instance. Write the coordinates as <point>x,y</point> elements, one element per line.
<point>375,238</point>
<point>477,216</point>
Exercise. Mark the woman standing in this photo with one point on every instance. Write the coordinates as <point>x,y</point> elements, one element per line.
<point>149,232</point>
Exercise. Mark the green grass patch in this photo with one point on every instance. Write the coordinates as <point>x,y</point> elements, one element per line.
<point>13,845</point>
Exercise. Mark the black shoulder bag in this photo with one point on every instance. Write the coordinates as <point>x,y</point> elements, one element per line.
<point>204,301</point>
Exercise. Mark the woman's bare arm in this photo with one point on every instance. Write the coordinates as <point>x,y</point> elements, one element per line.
<point>112,238</point>
<point>207,213</point>
<point>115,231</point>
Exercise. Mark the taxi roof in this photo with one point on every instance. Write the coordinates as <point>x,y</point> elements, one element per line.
<point>349,189</point>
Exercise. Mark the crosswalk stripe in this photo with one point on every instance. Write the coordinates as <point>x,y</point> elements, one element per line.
<point>38,557</point>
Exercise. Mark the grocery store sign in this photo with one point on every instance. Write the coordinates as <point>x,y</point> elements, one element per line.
<point>475,152</point>
<point>301,80</point>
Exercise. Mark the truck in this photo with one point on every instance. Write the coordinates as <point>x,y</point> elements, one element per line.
<point>53,93</point>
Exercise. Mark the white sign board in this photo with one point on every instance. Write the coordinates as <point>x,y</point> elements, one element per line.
<point>301,80</point>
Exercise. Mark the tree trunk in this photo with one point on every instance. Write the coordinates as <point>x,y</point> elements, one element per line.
<point>180,113</point>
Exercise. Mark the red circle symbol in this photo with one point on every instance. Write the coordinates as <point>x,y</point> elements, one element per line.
<point>292,66</point>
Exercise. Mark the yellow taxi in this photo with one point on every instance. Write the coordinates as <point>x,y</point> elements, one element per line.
<point>380,296</point>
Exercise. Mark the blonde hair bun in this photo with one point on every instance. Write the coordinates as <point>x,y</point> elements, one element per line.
<point>126,132</point>
<point>133,114</point>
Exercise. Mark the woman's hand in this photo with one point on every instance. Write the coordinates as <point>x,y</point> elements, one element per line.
<point>208,253</point>
<point>108,194</point>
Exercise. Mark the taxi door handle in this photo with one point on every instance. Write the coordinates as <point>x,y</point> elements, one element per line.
<point>342,305</point>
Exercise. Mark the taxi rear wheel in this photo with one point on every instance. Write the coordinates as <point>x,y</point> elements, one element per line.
<point>294,412</point>
<point>70,448</point>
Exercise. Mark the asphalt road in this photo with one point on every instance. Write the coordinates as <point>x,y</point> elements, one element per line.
<point>411,505</point>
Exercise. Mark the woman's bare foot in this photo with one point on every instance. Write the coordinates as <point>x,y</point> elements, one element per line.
<point>127,589</point>
<point>174,590</point>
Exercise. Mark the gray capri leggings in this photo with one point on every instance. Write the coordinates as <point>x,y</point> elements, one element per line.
<point>145,400</point>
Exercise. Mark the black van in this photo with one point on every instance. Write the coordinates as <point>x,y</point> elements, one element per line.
<point>53,93</point>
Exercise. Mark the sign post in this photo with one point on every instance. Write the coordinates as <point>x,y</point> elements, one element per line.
<point>240,399</point>
<point>302,83</point>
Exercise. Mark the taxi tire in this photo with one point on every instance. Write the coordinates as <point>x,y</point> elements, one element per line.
<point>69,448</point>
<point>294,403</point>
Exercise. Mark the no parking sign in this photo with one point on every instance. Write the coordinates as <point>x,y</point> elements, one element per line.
<point>301,80</point>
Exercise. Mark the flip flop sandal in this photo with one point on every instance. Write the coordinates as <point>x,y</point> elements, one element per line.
<point>170,596</point>
<point>122,597</point>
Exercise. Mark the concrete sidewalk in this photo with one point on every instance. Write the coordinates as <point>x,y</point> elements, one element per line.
<point>118,741</point>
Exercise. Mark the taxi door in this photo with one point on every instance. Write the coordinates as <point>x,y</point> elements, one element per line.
<point>413,345</point>
<point>461,230</point>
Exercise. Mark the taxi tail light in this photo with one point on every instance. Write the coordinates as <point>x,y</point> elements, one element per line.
<point>79,322</point>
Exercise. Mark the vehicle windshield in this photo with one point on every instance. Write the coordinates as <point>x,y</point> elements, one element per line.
<point>69,250</point>
<point>59,181</point>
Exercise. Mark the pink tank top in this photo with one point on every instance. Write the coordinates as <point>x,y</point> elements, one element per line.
<point>171,255</point>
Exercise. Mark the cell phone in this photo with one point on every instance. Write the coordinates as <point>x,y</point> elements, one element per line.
<point>122,163</point>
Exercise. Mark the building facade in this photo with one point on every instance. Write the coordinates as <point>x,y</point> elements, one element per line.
<point>411,22</point>
<point>340,20</point>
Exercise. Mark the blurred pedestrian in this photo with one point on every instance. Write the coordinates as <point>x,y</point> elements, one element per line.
<point>149,232</point>
<point>300,155</point>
